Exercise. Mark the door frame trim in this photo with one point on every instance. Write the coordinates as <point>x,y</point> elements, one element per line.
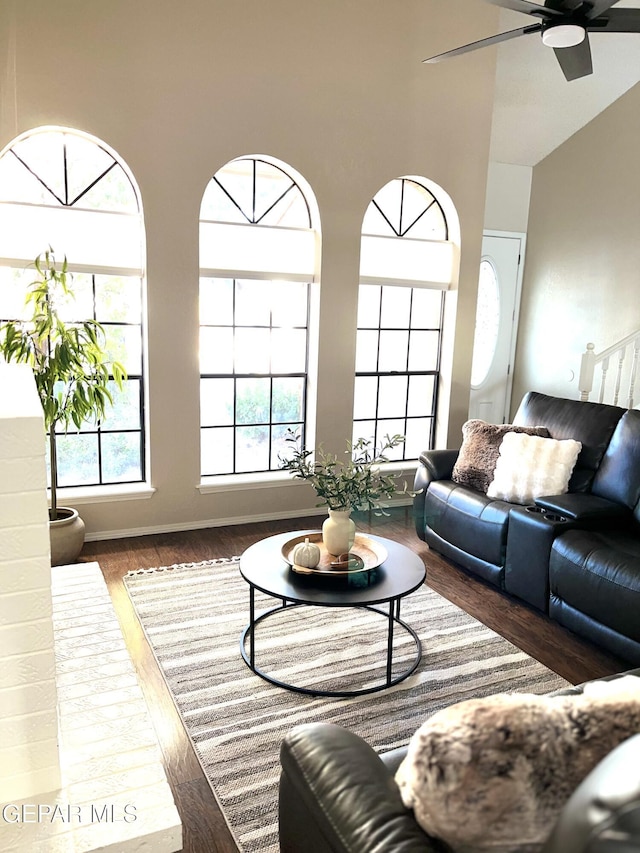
<point>522,237</point>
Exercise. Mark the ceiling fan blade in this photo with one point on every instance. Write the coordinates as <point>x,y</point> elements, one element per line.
<point>575,61</point>
<point>616,21</point>
<point>566,6</point>
<point>528,8</point>
<point>599,7</point>
<point>474,45</point>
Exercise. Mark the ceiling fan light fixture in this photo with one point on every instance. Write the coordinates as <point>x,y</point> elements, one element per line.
<point>563,35</point>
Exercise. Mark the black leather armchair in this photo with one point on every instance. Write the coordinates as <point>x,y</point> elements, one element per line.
<point>337,794</point>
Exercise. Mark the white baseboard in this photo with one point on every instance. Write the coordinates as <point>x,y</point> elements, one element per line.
<point>99,535</point>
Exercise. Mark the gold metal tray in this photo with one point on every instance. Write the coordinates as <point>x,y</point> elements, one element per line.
<point>365,554</point>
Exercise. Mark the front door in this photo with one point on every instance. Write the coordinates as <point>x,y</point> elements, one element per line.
<point>496,326</point>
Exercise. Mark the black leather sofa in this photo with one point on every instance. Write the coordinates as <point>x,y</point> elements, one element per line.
<point>575,556</point>
<point>337,794</point>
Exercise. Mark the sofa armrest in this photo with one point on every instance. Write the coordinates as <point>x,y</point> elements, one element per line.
<point>530,536</point>
<point>576,689</point>
<point>578,506</point>
<point>439,463</point>
<point>433,465</point>
<point>336,794</point>
<point>603,813</point>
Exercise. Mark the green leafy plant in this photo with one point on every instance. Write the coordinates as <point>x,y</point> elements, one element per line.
<point>69,364</point>
<point>357,482</point>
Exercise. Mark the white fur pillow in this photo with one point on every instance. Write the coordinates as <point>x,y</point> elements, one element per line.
<point>529,466</point>
<point>478,455</point>
<point>493,774</point>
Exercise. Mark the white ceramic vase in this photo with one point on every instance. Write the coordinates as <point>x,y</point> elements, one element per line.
<point>338,532</point>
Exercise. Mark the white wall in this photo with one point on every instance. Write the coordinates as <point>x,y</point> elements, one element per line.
<point>508,197</point>
<point>335,89</point>
<point>581,279</point>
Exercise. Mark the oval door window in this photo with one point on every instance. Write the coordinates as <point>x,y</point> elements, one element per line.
<point>485,338</point>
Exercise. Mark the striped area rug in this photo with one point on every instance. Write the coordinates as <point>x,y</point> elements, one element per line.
<point>193,616</point>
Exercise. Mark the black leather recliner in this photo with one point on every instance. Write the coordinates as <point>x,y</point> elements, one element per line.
<point>339,796</point>
<point>470,528</point>
<point>594,569</point>
<point>574,556</point>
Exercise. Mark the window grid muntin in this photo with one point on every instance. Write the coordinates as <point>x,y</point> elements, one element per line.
<point>251,219</point>
<point>100,430</point>
<point>379,431</point>
<point>235,426</point>
<point>66,203</point>
<point>401,231</point>
<point>273,464</point>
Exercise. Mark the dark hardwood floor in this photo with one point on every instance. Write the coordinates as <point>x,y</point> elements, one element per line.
<point>204,826</point>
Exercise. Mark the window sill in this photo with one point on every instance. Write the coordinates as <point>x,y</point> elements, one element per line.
<point>400,467</point>
<point>105,494</point>
<point>244,482</point>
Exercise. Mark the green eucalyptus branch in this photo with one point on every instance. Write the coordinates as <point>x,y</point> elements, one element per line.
<point>357,482</point>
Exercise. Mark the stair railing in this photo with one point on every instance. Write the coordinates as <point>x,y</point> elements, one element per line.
<point>618,353</point>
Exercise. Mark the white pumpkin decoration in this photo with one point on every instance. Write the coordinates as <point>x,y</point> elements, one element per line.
<point>306,554</point>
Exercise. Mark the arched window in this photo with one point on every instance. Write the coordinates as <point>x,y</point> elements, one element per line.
<point>257,260</point>
<point>64,189</point>
<point>406,263</point>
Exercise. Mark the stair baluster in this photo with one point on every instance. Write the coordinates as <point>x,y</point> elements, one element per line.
<point>625,380</point>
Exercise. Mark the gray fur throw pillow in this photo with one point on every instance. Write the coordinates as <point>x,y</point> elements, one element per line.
<point>478,455</point>
<point>493,774</point>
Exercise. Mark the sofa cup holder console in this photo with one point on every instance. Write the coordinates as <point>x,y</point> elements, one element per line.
<point>532,530</point>
<point>546,514</point>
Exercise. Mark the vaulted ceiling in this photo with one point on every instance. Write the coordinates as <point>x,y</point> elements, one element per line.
<point>536,109</point>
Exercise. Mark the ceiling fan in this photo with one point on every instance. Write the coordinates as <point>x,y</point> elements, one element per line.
<point>564,25</point>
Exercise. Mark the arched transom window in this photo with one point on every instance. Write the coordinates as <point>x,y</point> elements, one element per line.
<point>405,208</point>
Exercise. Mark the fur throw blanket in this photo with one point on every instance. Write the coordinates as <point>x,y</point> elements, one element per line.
<point>493,774</point>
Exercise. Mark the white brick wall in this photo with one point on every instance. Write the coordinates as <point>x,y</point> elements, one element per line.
<point>29,760</point>
<point>109,754</point>
<point>74,726</point>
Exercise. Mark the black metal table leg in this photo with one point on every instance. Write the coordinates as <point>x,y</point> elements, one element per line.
<point>390,640</point>
<point>389,681</point>
<point>252,651</point>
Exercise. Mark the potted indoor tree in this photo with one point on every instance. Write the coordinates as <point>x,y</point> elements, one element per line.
<point>72,376</point>
<point>357,482</point>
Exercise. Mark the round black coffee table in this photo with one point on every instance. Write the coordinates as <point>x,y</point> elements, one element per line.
<point>264,568</point>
